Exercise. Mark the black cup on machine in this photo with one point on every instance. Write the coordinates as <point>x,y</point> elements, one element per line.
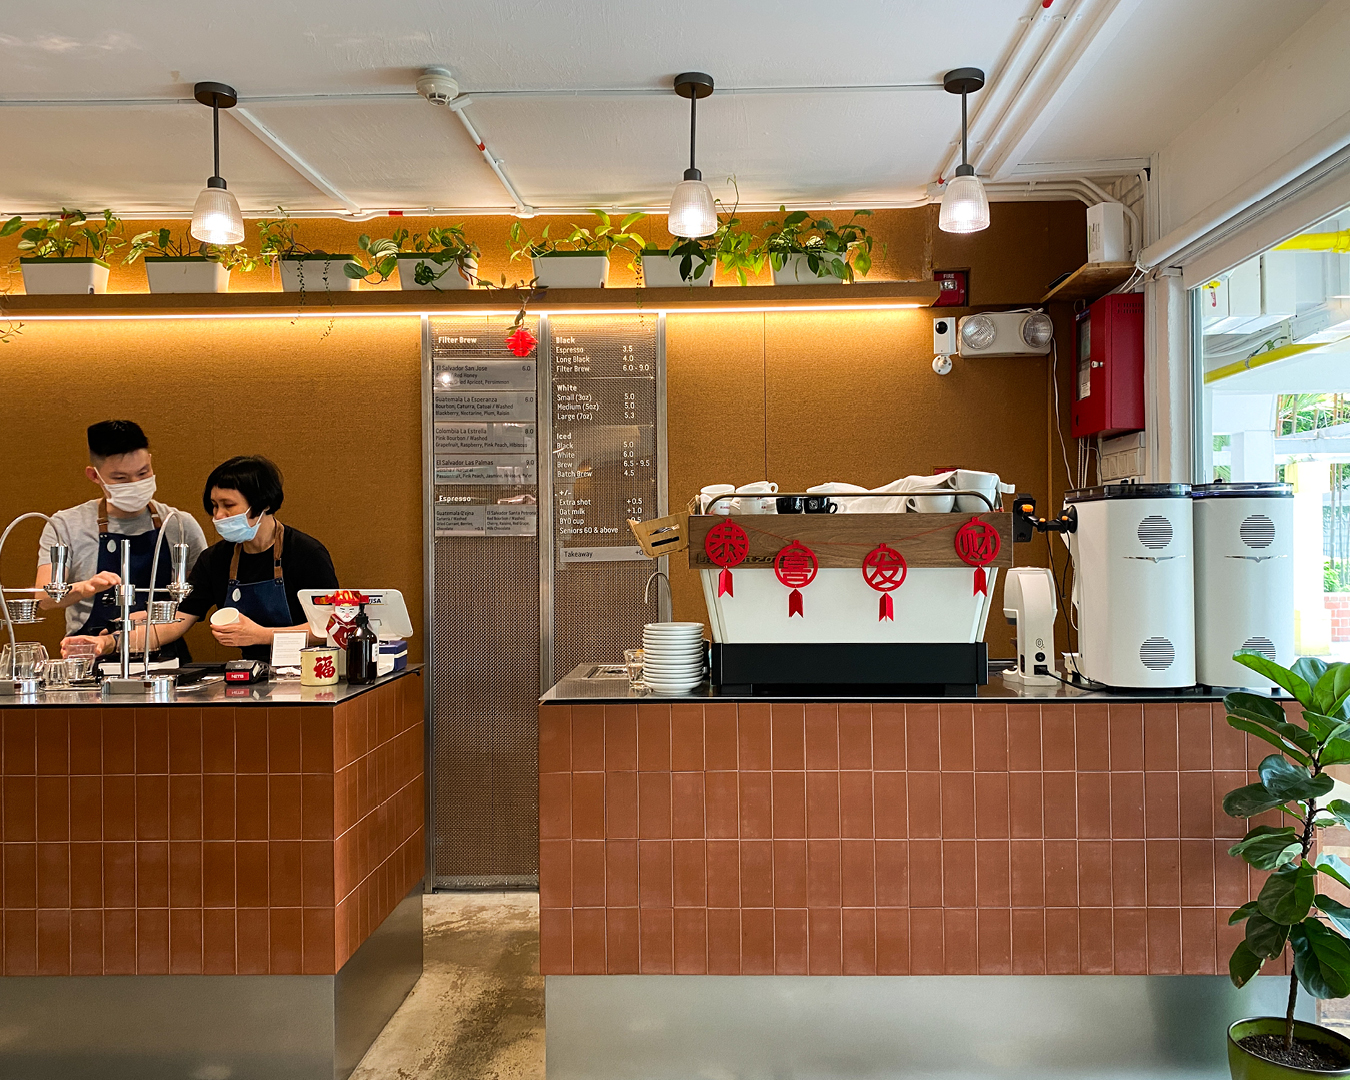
<point>819,504</point>
<point>790,504</point>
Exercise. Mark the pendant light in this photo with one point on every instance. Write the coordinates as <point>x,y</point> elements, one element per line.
<point>692,210</point>
<point>965,207</point>
<point>215,217</point>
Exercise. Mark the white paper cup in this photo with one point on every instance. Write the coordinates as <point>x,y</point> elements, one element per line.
<point>224,616</point>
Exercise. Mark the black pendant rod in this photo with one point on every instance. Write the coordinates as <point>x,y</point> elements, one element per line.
<point>215,133</point>
<point>693,126</point>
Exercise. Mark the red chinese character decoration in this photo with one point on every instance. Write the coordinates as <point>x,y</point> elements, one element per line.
<point>726,545</point>
<point>977,545</point>
<point>885,569</point>
<point>520,341</point>
<point>796,567</point>
<point>323,667</point>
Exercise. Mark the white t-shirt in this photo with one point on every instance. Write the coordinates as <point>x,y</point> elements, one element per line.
<point>81,522</point>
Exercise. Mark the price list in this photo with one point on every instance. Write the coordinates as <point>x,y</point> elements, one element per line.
<point>604,434</point>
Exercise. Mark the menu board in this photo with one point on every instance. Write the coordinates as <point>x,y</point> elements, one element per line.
<point>604,434</point>
<point>484,435</point>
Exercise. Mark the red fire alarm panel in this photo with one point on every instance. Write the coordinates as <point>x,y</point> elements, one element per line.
<point>1109,374</point>
<point>954,286</point>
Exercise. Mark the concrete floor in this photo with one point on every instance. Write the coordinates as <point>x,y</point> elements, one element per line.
<point>478,1011</point>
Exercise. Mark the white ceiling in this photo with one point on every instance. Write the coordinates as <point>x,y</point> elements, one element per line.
<point>814,105</point>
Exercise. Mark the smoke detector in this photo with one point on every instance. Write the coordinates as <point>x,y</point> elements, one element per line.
<point>437,85</point>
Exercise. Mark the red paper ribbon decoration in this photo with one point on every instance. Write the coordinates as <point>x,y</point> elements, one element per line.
<point>977,545</point>
<point>726,545</point>
<point>796,567</point>
<point>885,570</point>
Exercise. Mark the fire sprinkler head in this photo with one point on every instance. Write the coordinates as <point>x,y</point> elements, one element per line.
<point>437,85</point>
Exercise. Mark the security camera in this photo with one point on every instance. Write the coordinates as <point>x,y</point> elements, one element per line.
<point>944,335</point>
<point>438,86</point>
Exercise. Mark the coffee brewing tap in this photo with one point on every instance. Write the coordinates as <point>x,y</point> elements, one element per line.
<point>25,611</point>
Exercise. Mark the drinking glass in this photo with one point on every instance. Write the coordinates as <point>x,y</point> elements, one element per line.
<point>632,659</point>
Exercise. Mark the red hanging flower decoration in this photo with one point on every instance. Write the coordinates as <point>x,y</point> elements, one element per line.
<point>796,567</point>
<point>726,546</point>
<point>521,342</point>
<point>885,570</point>
<point>977,544</point>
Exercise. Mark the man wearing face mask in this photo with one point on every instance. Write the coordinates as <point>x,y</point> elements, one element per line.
<point>120,465</point>
<point>259,565</point>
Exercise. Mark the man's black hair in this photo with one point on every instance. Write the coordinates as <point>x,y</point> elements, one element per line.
<point>111,438</point>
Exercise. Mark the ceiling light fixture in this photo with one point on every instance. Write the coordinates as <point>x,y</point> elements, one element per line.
<point>965,207</point>
<point>692,210</point>
<point>215,217</point>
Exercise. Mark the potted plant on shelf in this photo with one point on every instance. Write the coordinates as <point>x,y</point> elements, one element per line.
<point>579,260</point>
<point>1291,909</point>
<point>302,267</point>
<point>174,268</point>
<point>803,250</point>
<point>694,261</point>
<point>442,259</point>
<point>67,253</point>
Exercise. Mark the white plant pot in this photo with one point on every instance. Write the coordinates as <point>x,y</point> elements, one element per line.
<point>45,277</point>
<point>186,275</point>
<point>450,277</point>
<point>796,272</point>
<point>572,270</point>
<point>314,269</point>
<point>661,271</point>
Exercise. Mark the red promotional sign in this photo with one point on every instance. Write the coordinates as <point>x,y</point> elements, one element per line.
<point>977,545</point>
<point>796,567</point>
<point>885,570</point>
<point>726,545</point>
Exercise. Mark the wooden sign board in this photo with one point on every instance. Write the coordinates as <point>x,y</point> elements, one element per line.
<point>843,540</point>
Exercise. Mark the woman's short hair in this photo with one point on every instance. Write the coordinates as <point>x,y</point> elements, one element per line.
<point>256,478</point>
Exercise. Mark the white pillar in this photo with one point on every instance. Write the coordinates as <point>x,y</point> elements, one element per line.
<point>1252,456</point>
<point>1167,378</point>
<point>1312,621</point>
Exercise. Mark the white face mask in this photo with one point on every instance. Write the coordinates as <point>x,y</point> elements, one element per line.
<point>131,498</point>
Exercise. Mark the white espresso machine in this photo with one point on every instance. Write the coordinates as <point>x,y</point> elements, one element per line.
<point>1244,579</point>
<point>1134,584</point>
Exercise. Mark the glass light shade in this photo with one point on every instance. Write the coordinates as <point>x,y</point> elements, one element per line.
<point>965,207</point>
<point>978,331</point>
<point>692,211</point>
<point>216,218</point>
<point>1037,330</point>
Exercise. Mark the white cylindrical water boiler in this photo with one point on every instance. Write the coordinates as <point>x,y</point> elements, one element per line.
<point>1244,579</point>
<point>1134,584</point>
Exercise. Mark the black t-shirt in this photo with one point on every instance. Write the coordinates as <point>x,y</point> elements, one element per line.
<point>305,564</point>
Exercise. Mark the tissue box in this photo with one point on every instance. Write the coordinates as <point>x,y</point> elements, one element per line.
<point>393,656</point>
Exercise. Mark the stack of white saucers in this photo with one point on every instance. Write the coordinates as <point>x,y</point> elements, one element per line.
<point>673,655</point>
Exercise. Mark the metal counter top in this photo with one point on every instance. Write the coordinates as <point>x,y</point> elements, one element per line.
<point>576,688</point>
<point>269,694</point>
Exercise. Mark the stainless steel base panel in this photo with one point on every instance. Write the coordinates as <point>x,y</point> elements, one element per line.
<point>211,1027</point>
<point>957,1027</point>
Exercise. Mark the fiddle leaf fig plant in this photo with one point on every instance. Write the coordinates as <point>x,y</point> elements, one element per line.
<point>72,234</point>
<point>1291,909</point>
<point>843,251</point>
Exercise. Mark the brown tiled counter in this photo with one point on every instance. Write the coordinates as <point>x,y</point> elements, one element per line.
<point>1007,837</point>
<point>268,837</point>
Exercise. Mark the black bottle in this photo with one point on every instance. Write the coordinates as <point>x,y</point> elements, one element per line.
<point>362,648</point>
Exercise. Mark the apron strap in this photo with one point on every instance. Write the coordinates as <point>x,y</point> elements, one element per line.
<point>103,516</point>
<point>276,557</point>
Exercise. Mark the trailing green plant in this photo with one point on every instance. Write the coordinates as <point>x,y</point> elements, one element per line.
<point>1291,910</point>
<point>603,238</point>
<point>446,246</point>
<point>843,251</point>
<point>732,245</point>
<point>162,243</point>
<point>277,239</point>
<point>72,234</point>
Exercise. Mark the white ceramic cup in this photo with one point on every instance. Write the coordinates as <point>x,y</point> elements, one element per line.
<point>984,482</point>
<point>707,494</point>
<point>930,504</point>
<point>224,616</point>
<point>758,506</point>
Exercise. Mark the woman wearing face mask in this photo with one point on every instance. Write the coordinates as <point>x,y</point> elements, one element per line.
<point>120,465</point>
<point>259,564</point>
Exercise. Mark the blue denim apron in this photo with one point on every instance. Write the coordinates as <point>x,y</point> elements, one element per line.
<point>262,601</point>
<point>105,612</point>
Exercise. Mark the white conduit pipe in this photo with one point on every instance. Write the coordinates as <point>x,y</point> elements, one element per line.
<point>458,106</point>
<point>294,160</point>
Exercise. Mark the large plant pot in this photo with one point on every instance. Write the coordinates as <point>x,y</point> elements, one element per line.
<point>572,270</point>
<point>1243,1065</point>
<point>661,271</point>
<point>189,274</point>
<point>448,273</point>
<point>311,270</point>
<point>796,272</point>
<point>46,277</point>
